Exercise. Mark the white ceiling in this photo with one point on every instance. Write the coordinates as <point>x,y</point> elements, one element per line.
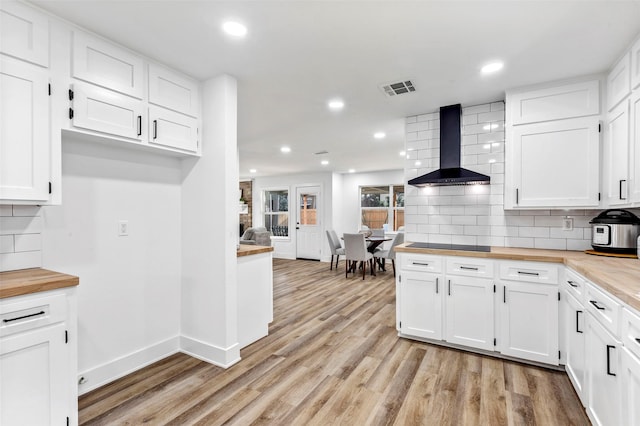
<point>299,54</point>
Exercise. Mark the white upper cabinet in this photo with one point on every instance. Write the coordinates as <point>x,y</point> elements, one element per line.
<point>634,147</point>
<point>173,91</point>
<point>553,164</point>
<point>107,65</point>
<point>172,130</point>
<point>555,103</point>
<point>635,65</point>
<point>24,124</point>
<point>24,33</point>
<point>619,82</point>
<point>101,110</point>
<point>617,155</point>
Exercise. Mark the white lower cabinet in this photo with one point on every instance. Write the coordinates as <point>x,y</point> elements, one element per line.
<point>38,360</point>
<point>420,303</point>
<point>469,312</point>
<point>603,374</point>
<point>529,321</point>
<point>575,352</point>
<point>630,373</point>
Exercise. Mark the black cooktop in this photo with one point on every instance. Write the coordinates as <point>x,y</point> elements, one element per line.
<point>439,246</point>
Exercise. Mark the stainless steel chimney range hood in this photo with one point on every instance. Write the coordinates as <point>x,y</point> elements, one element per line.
<point>450,172</point>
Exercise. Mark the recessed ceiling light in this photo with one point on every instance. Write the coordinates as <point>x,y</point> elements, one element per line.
<point>235,29</point>
<point>379,135</point>
<point>492,67</point>
<point>253,171</point>
<point>352,170</point>
<point>285,149</point>
<point>324,162</point>
<point>336,104</point>
<point>402,153</point>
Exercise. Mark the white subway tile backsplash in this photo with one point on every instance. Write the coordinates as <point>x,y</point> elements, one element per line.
<point>519,220</point>
<point>26,210</point>
<point>553,244</point>
<point>440,220</point>
<point>452,210</point>
<point>28,242</point>
<point>6,244</point>
<point>417,126</point>
<point>580,245</point>
<point>497,106</point>
<point>428,229</point>
<point>453,229</point>
<point>452,190</point>
<point>464,220</point>
<point>440,238</point>
<point>487,117</point>
<point>476,109</point>
<point>469,119</point>
<point>429,117</point>
<point>575,233</point>
<point>470,240</point>
<point>532,231</point>
<point>6,210</point>
<point>477,230</point>
<point>519,242</point>
<point>20,225</point>
<point>411,119</point>
<point>24,260</point>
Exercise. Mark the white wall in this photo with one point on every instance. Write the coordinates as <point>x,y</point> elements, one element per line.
<point>128,310</point>
<point>285,248</point>
<point>210,231</point>
<point>475,214</point>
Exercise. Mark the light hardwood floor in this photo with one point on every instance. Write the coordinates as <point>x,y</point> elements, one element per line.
<point>333,357</point>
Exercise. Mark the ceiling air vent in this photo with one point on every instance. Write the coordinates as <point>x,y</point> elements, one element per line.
<point>398,88</point>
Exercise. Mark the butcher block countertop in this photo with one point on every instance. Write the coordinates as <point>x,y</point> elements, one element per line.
<point>27,281</point>
<point>248,250</point>
<point>618,276</point>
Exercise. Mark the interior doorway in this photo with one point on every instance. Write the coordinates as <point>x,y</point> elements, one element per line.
<point>308,222</point>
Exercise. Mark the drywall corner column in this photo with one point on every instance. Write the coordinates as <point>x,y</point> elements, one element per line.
<point>210,231</point>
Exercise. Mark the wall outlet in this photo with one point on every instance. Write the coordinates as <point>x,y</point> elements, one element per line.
<point>123,228</point>
<point>567,224</point>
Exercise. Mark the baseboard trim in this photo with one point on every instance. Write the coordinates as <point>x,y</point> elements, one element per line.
<point>120,367</point>
<point>222,357</point>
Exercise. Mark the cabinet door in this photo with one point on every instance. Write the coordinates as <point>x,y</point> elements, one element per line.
<point>469,312</point>
<point>529,322</point>
<point>574,329</point>
<point>630,388</point>
<point>172,130</point>
<point>102,110</point>
<point>24,33</point>
<point>35,377</point>
<point>174,91</point>
<point>24,125</point>
<point>107,65</point>
<point>555,164</point>
<point>635,65</point>
<point>617,155</point>
<point>619,82</point>
<point>603,375</point>
<point>634,147</point>
<point>420,301</point>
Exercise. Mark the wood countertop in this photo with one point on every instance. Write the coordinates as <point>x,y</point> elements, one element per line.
<point>618,276</point>
<point>27,281</point>
<point>248,249</point>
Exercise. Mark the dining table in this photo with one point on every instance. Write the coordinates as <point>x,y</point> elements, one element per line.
<point>373,242</point>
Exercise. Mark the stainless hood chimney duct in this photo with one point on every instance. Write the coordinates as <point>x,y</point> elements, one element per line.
<point>450,172</point>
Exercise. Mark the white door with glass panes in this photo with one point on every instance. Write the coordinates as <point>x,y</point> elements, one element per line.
<point>308,226</point>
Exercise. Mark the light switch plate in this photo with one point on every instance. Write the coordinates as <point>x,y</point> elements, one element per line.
<point>123,228</point>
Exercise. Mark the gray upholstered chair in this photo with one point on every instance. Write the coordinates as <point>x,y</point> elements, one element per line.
<point>355,249</point>
<point>256,236</point>
<point>391,253</point>
<point>335,246</point>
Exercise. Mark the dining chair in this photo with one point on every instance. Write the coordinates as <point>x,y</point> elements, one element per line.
<point>355,249</point>
<point>335,246</point>
<point>391,253</point>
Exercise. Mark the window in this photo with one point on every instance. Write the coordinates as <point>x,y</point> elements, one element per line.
<point>276,212</point>
<point>382,205</point>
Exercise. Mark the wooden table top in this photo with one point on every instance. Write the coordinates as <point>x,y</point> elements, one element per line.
<point>618,276</point>
<point>27,281</point>
<point>250,249</point>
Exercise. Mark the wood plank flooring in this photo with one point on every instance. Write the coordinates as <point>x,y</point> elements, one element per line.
<point>333,357</point>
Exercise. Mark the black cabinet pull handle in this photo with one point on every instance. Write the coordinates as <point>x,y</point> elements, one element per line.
<point>517,195</point>
<point>419,264</point>
<point>638,340</point>
<point>504,294</point>
<point>533,274</point>
<point>622,180</point>
<point>155,129</point>
<point>23,317</point>
<point>572,284</point>
<point>578,322</point>
<point>598,307</point>
<point>468,268</point>
<point>436,285</point>
<point>449,287</point>
<point>609,347</point>
<point>139,125</point>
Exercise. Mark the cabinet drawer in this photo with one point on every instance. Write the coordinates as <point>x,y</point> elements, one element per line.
<point>531,272</point>
<point>604,308</point>
<point>631,331</point>
<point>470,267</point>
<point>418,262</point>
<point>574,284</point>
<point>31,312</point>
